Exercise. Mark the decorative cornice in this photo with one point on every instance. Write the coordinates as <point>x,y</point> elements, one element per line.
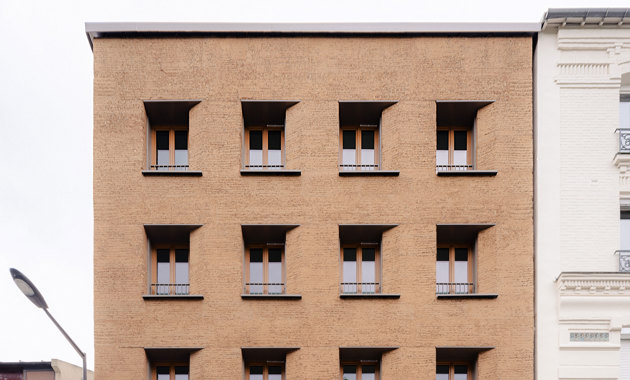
<point>593,283</point>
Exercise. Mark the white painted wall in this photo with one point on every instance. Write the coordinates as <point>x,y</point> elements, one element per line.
<point>577,79</point>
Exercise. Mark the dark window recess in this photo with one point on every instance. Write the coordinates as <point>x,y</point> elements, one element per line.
<point>181,370</point>
<point>256,370</point>
<point>275,255</point>
<point>461,254</point>
<point>461,369</point>
<point>349,254</point>
<point>441,370</point>
<point>181,140</point>
<point>367,139</point>
<point>255,140</point>
<point>368,369</point>
<point>163,255</point>
<point>349,140</point>
<point>369,254</point>
<point>442,140</point>
<point>256,255</point>
<point>461,142</point>
<point>442,254</point>
<point>275,370</point>
<point>181,255</point>
<point>162,370</point>
<point>348,369</point>
<point>274,142</point>
<point>162,140</point>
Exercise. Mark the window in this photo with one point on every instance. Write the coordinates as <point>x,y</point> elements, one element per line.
<point>170,372</point>
<point>170,273</point>
<point>453,371</point>
<point>265,274</point>
<point>265,371</point>
<point>453,269</point>
<point>454,147</point>
<point>365,157</point>
<point>365,370</point>
<point>168,134</point>
<point>361,269</point>
<point>265,147</point>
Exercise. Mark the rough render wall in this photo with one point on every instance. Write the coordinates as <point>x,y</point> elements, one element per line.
<point>319,72</point>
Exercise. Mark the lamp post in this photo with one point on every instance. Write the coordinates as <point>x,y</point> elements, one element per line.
<point>31,292</point>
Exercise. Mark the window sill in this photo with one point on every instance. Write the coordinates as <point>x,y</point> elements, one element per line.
<point>467,173</point>
<point>171,173</point>
<point>468,296</point>
<point>375,295</point>
<point>280,172</point>
<point>271,296</point>
<point>191,297</point>
<point>369,173</point>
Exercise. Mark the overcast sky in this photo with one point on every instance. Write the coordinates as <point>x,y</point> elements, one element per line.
<point>46,136</point>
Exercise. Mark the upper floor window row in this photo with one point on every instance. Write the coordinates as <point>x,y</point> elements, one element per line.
<point>264,145</point>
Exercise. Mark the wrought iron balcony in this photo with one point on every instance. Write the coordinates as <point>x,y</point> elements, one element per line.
<point>265,288</point>
<point>624,140</point>
<point>454,288</point>
<point>169,167</point>
<point>360,287</point>
<point>624,259</point>
<point>262,167</point>
<point>170,289</point>
<point>448,168</point>
<point>358,167</point>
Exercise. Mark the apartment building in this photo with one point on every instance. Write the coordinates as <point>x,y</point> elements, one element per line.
<point>582,133</point>
<point>313,201</point>
<point>54,369</point>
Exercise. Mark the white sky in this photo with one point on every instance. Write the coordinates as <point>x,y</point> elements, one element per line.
<point>46,134</point>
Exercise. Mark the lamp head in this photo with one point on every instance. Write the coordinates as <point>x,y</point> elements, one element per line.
<point>27,287</point>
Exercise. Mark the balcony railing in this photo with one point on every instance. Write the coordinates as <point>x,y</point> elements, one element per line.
<point>262,167</point>
<point>358,167</point>
<point>169,167</point>
<point>170,289</point>
<point>624,260</point>
<point>454,287</point>
<point>360,287</point>
<point>624,140</point>
<point>451,168</point>
<point>265,288</point>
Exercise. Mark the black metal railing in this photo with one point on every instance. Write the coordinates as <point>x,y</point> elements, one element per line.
<point>260,167</point>
<point>454,287</point>
<point>359,167</point>
<point>624,260</point>
<point>265,288</point>
<point>360,287</point>
<point>169,167</point>
<point>170,289</point>
<point>450,168</point>
<point>624,140</point>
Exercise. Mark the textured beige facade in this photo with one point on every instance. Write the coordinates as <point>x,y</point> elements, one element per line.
<point>319,71</point>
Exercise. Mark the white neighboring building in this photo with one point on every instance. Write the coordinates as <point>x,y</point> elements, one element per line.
<point>582,190</point>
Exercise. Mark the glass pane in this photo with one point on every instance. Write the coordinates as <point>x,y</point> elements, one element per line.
<point>441,157</point>
<point>255,159</point>
<point>367,159</point>
<point>368,271</point>
<point>461,270</point>
<point>181,373</point>
<point>368,372</point>
<point>181,271</point>
<point>255,149</point>
<point>441,372</point>
<point>255,140</point>
<point>441,272</point>
<point>275,270</point>
<point>349,270</point>
<point>461,140</point>
<point>349,159</point>
<point>461,372</point>
<point>163,373</point>
<point>181,149</point>
<point>256,270</point>
<point>460,155</point>
<point>349,139</point>
<point>349,372</point>
<point>275,373</point>
<point>274,158</point>
<point>274,140</point>
<point>624,115</point>
<point>367,140</point>
<point>256,373</point>
<point>162,146</point>
<point>163,271</point>
<point>625,234</point>
<point>442,140</point>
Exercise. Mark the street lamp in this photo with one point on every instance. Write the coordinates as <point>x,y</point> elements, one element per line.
<point>31,292</point>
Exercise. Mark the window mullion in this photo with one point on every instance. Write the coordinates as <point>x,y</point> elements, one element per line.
<point>359,268</point>
<point>265,146</point>
<point>358,147</point>
<point>265,270</point>
<point>171,146</point>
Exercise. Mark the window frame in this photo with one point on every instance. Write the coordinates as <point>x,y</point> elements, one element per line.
<point>171,148</point>
<point>451,269</point>
<point>265,365</point>
<point>451,369</point>
<point>171,366</point>
<point>359,364</point>
<point>172,264</point>
<point>359,275</point>
<point>377,147</point>
<point>470,165</point>
<point>265,147</point>
<point>265,247</point>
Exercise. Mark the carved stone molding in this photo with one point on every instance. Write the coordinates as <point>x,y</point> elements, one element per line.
<point>593,283</point>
